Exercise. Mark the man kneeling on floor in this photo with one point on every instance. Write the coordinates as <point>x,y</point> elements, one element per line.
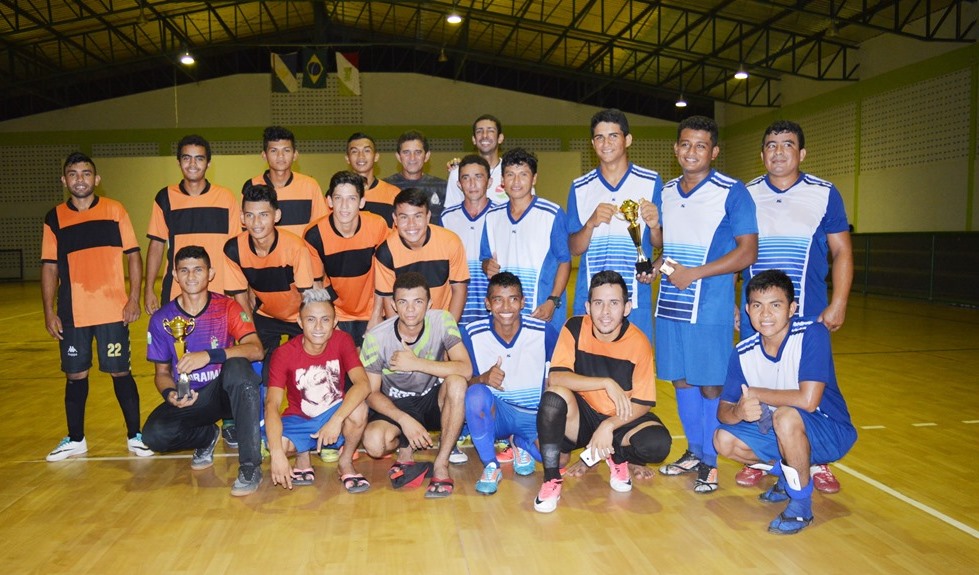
<point>781,408</point>
<point>222,382</point>
<point>602,385</point>
<point>311,371</point>
<point>415,388</point>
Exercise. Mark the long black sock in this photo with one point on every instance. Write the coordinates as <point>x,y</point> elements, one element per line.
<point>128,396</point>
<point>552,417</point>
<point>76,393</point>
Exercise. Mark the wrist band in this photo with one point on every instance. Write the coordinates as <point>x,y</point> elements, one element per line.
<point>217,355</point>
<point>166,393</point>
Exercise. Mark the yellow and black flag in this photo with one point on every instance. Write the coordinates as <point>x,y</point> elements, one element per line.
<point>284,68</point>
<point>314,68</point>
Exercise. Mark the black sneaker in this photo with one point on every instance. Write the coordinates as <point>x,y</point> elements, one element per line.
<point>229,432</point>
<point>249,478</point>
<point>204,456</point>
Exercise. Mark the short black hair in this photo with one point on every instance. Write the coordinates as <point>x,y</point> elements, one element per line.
<point>193,140</point>
<point>475,159</point>
<point>276,133</point>
<point>783,126</point>
<point>411,280</point>
<point>516,157</point>
<point>699,123</point>
<point>612,116</point>
<point>347,177</point>
<point>191,252</point>
<point>78,158</point>
<point>413,135</point>
<point>260,193</point>
<point>769,279</point>
<point>608,277</point>
<point>412,196</point>
<point>491,118</point>
<point>362,136</point>
<point>504,280</point>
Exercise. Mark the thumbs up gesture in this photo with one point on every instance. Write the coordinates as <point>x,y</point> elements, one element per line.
<point>495,375</point>
<point>403,359</point>
<point>749,406</point>
<point>491,267</point>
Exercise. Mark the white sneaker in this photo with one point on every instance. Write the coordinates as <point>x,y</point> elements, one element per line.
<point>68,448</point>
<point>137,446</point>
<point>457,457</point>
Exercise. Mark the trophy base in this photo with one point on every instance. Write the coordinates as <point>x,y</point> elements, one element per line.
<point>644,267</point>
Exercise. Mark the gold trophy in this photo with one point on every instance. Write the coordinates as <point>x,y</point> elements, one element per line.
<point>180,328</point>
<point>630,212</point>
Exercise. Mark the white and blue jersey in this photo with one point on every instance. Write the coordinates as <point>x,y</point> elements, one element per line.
<point>526,359</point>
<point>793,225</point>
<point>530,248</point>
<point>700,227</point>
<point>611,246</point>
<point>470,231</point>
<point>805,355</point>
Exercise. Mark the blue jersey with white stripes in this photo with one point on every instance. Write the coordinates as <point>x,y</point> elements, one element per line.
<point>470,231</point>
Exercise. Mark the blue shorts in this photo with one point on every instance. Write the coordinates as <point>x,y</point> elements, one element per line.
<point>513,420</point>
<point>695,352</point>
<point>828,440</point>
<point>298,429</point>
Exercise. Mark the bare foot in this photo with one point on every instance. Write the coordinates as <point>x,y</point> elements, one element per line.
<point>345,468</point>
<point>641,471</point>
<point>577,469</point>
<point>406,455</point>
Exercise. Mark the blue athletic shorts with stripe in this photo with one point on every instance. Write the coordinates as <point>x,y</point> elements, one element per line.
<point>829,440</point>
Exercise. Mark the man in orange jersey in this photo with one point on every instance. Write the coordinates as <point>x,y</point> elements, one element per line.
<point>82,251</point>
<point>345,242</point>
<point>192,212</point>
<point>379,195</point>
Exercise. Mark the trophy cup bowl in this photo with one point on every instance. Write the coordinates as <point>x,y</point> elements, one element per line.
<point>630,212</point>
<point>180,328</point>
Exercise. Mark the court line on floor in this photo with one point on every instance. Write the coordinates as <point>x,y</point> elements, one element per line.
<point>124,458</point>
<point>912,502</point>
<point>21,315</point>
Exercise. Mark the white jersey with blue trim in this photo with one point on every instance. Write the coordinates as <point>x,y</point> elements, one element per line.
<point>530,248</point>
<point>792,229</point>
<point>525,360</point>
<point>700,227</point>
<point>470,231</point>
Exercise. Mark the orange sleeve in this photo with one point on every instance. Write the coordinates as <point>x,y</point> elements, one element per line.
<point>234,279</point>
<point>644,376</point>
<point>319,208</point>
<point>158,229</point>
<point>564,352</point>
<point>129,243</point>
<point>383,279</point>
<point>302,266</point>
<point>458,266</point>
<point>49,245</point>
<point>234,217</point>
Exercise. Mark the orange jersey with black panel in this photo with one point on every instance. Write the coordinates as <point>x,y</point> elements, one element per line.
<point>628,360</point>
<point>379,199</point>
<point>207,220</point>
<point>276,279</point>
<point>300,200</point>
<point>347,264</point>
<point>442,260</point>
<point>88,248</point>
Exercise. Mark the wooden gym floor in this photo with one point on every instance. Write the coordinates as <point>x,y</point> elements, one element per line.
<point>908,505</point>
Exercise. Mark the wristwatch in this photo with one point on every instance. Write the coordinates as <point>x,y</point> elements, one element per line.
<point>555,300</point>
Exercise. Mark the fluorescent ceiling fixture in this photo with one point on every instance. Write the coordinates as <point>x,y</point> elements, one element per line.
<point>741,74</point>
<point>453,18</point>
<point>186,59</point>
<point>681,103</point>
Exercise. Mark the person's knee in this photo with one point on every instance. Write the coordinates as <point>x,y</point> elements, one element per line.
<point>711,391</point>
<point>358,417</point>
<point>725,443</point>
<point>479,399</point>
<point>77,376</point>
<point>553,404</point>
<point>786,420</point>
<point>650,444</point>
<point>154,436</point>
<point>373,442</point>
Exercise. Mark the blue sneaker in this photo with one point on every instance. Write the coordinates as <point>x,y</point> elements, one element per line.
<point>786,525</point>
<point>490,479</point>
<point>776,494</point>
<point>523,462</point>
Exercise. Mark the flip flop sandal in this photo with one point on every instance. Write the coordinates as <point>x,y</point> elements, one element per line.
<point>355,483</point>
<point>409,474</point>
<point>303,477</point>
<point>439,488</point>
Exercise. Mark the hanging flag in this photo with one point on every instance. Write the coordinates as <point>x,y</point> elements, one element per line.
<point>349,74</point>
<point>314,68</point>
<point>284,68</point>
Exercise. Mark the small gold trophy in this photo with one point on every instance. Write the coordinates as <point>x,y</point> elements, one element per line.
<point>180,328</point>
<point>630,211</point>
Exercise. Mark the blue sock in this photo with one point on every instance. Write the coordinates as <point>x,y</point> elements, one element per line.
<point>710,426</point>
<point>530,446</point>
<point>482,421</point>
<point>800,501</point>
<point>776,470</point>
<point>689,405</point>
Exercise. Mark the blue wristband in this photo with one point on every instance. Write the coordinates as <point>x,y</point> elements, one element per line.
<point>217,355</point>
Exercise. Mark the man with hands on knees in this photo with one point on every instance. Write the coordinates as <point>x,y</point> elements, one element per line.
<point>602,385</point>
<point>312,371</point>
<point>219,350</point>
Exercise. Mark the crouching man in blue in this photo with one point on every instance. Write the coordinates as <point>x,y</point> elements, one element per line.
<point>222,381</point>
<point>781,407</point>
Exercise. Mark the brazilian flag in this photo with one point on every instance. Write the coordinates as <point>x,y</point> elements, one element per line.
<point>314,68</point>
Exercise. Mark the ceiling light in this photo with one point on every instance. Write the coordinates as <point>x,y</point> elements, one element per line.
<point>741,74</point>
<point>453,18</point>
<point>443,58</point>
<point>680,102</point>
<point>186,58</point>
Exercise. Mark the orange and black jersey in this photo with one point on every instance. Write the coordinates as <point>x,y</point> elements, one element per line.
<point>442,260</point>
<point>379,199</point>
<point>207,220</point>
<point>87,247</point>
<point>347,264</point>
<point>276,279</point>
<point>628,360</point>
<point>300,200</point>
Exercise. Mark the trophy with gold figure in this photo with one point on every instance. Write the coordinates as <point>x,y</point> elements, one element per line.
<point>180,328</point>
<point>630,212</point>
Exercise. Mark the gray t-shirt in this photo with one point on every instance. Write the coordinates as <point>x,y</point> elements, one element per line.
<point>434,187</point>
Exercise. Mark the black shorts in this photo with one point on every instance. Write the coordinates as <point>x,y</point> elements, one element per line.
<point>589,420</point>
<point>356,329</point>
<point>112,340</point>
<point>422,408</point>
<point>271,330</point>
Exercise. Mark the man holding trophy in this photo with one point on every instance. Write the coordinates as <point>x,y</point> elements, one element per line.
<point>202,344</point>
